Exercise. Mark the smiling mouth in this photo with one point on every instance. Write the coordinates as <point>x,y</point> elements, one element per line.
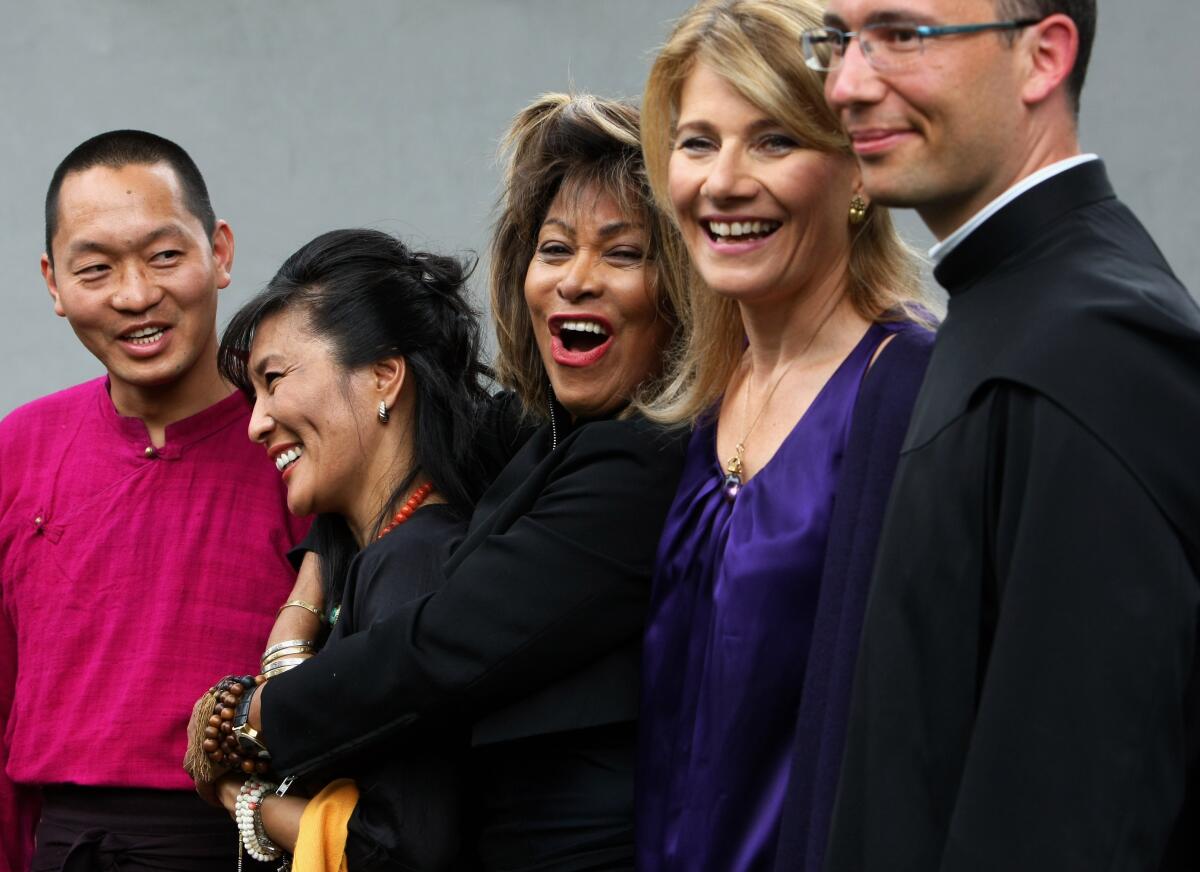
<point>868,141</point>
<point>145,336</point>
<point>739,231</point>
<point>286,459</point>
<point>582,336</point>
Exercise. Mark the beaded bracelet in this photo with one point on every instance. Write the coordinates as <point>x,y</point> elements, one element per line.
<point>220,744</point>
<point>247,811</point>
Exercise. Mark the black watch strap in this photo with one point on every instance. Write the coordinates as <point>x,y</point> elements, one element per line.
<point>247,737</point>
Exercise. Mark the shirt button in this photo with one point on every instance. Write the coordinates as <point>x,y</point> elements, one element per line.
<point>150,452</point>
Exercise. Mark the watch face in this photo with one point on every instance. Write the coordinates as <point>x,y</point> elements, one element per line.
<point>248,742</point>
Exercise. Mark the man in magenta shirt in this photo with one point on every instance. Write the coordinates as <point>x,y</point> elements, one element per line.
<point>142,535</point>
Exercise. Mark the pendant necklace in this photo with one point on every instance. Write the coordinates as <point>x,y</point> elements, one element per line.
<point>732,483</point>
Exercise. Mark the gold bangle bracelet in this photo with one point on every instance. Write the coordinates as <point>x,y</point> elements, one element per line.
<point>287,661</point>
<point>291,649</point>
<point>301,604</point>
<point>283,666</point>
<point>266,662</point>
<point>288,643</point>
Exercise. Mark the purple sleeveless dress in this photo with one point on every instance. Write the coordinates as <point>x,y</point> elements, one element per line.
<point>727,639</point>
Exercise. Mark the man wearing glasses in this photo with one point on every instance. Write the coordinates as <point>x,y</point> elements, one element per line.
<point>1027,694</point>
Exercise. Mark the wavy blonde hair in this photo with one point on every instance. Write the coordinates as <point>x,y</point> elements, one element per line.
<point>564,142</point>
<point>755,46</point>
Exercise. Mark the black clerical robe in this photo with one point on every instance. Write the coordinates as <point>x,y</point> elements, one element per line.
<point>1027,695</point>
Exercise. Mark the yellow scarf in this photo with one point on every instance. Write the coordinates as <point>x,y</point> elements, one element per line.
<point>321,845</point>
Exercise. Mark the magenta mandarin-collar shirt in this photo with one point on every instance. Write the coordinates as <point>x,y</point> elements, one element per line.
<point>131,578</point>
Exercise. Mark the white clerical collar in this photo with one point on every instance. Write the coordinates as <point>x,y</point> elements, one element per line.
<point>944,247</point>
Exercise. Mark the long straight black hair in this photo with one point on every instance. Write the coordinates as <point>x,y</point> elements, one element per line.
<point>367,295</point>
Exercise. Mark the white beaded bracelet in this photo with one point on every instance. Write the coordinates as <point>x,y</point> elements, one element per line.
<point>247,811</point>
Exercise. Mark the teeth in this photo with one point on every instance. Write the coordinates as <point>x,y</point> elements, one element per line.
<point>145,336</point>
<point>584,327</point>
<point>283,461</point>
<point>741,228</point>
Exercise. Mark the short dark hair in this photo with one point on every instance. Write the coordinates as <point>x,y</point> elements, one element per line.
<point>120,148</point>
<point>1082,12</point>
<point>370,297</point>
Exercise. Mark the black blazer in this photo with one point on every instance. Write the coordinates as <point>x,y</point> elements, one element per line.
<point>410,813</point>
<point>536,626</point>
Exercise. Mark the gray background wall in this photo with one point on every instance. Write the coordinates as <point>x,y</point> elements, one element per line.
<point>308,115</point>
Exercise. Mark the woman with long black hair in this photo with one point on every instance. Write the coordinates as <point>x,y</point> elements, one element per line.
<point>363,361</point>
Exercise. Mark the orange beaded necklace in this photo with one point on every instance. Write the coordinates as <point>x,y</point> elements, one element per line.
<point>411,505</point>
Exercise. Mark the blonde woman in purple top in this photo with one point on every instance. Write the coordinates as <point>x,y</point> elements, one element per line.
<point>799,376</point>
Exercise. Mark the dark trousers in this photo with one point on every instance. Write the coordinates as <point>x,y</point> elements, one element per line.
<point>106,829</point>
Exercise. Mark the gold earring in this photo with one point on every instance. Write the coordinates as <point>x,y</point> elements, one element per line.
<point>858,210</point>
<point>383,412</point>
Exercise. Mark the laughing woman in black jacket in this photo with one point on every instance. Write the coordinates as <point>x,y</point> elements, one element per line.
<point>533,635</point>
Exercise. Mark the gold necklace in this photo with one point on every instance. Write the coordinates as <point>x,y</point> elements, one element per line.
<point>732,483</point>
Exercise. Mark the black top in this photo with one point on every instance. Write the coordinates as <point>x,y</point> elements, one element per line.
<point>409,813</point>
<point>534,634</point>
<point>1026,693</point>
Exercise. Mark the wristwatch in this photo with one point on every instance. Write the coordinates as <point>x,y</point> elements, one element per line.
<point>247,737</point>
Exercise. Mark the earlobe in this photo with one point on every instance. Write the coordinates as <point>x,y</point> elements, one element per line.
<point>52,286</point>
<point>1054,44</point>
<point>856,178</point>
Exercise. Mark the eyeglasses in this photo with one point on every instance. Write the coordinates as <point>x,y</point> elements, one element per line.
<point>887,46</point>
